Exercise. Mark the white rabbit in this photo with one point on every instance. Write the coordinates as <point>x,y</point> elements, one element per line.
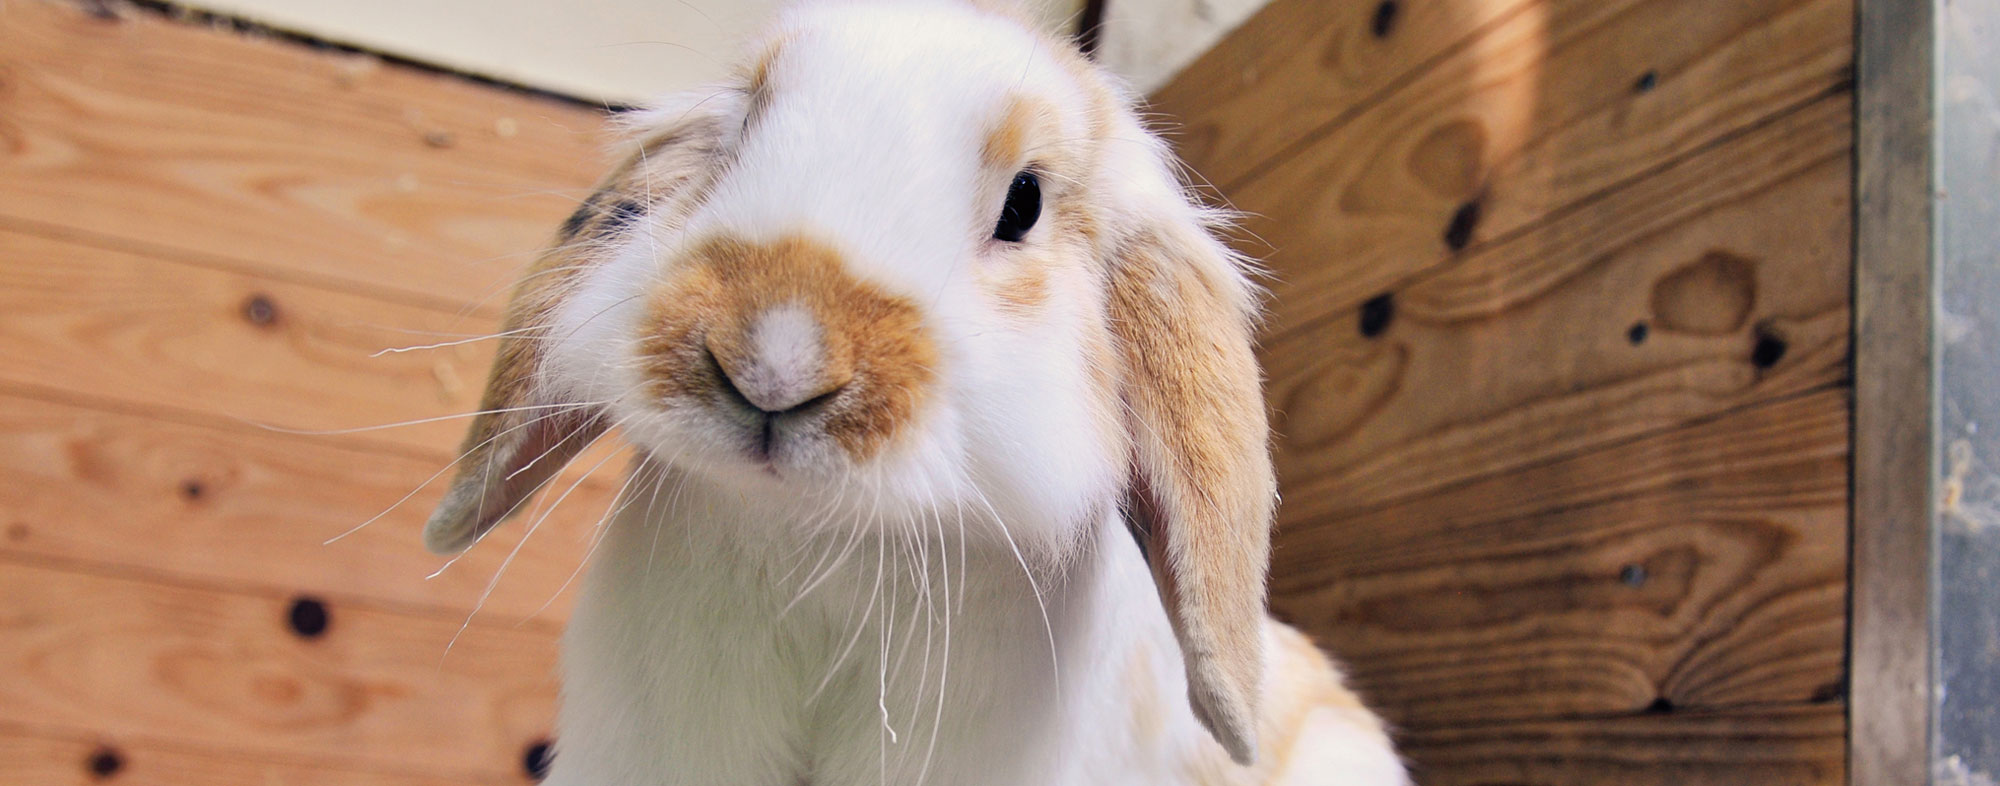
<point>914,329</point>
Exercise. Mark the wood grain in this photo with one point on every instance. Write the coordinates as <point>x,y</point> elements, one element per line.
<point>1557,354</point>
<point>1524,351</point>
<point>1703,566</point>
<point>265,155</point>
<point>1766,746</point>
<point>219,670</point>
<point>1519,126</point>
<point>1299,66</point>
<point>242,508</point>
<point>159,334</point>
<point>48,759</point>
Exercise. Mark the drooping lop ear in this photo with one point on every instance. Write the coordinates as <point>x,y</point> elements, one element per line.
<point>1202,488</point>
<point>527,432</point>
<point>524,434</point>
<point>508,457</point>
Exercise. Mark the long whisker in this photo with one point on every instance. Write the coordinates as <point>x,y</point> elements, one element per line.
<point>417,422</point>
<point>432,479</point>
<point>944,671</point>
<point>502,570</point>
<point>459,342</point>
<point>1055,667</point>
<point>834,668</point>
<point>599,528</point>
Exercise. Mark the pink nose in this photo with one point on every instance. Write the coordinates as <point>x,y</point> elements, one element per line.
<point>781,366</point>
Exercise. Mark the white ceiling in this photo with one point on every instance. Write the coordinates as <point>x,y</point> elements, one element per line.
<point>628,51</point>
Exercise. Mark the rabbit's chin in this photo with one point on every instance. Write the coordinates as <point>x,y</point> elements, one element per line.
<point>923,479</point>
<point>793,466</point>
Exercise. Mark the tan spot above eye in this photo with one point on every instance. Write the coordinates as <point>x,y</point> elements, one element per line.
<point>757,80</point>
<point>1007,141</point>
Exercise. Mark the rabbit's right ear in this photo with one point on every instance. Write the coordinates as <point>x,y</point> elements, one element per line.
<point>1202,487</point>
<point>526,431</point>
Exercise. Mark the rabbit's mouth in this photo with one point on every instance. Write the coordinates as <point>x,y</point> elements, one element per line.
<point>792,363</point>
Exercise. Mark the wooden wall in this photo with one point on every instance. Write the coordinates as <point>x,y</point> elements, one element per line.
<point>1559,354</point>
<point>203,232</point>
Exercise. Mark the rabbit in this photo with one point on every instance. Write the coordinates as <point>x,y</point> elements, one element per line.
<point>951,460</point>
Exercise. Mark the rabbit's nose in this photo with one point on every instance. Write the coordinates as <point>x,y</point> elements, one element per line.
<point>783,366</point>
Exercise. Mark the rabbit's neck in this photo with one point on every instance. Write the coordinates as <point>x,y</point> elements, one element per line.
<point>851,652</point>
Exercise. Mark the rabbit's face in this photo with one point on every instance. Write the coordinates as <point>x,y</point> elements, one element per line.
<point>884,288</point>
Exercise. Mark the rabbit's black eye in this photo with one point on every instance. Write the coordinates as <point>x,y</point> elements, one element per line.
<point>1024,205</point>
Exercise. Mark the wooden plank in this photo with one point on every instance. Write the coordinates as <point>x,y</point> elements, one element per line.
<point>152,333</point>
<point>1526,351</point>
<point>1520,127</point>
<point>1896,394</point>
<point>1766,746</point>
<point>220,671</point>
<point>271,156</point>
<point>1298,66</point>
<point>40,759</point>
<point>243,508</point>
<point>1703,566</point>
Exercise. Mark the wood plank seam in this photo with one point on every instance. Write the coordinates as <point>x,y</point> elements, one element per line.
<point>272,592</point>
<point>68,734</point>
<point>193,417</point>
<point>1415,72</point>
<point>257,509</point>
<point>1567,210</point>
<point>218,669</point>
<point>487,307</point>
<point>1705,711</point>
<point>1696,422</point>
<point>329,351</point>
<point>276,157</point>
<point>1767,489</point>
<point>1748,406</point>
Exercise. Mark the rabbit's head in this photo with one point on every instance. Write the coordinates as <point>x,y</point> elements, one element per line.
<point>915,261</point>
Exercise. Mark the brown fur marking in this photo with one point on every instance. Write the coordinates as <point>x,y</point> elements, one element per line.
<point>875,342</point>
<point>757,80</point>
<point>1006,142</point>
<point>1203,474</point>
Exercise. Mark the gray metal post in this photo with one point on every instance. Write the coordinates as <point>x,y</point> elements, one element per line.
<point>1925,658</point>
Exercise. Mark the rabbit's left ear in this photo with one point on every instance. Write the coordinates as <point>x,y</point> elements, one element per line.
<point>526,434</point>
<point>1202,488</point>
<point>522,437</point>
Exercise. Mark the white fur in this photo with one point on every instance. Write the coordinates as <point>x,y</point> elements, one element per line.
<point>786,343</point>
<point>963,609</point>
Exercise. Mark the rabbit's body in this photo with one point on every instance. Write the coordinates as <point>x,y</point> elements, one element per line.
<point>915,329</point>
<point>695,639</point>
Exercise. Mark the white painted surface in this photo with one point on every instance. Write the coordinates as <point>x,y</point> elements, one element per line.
<point>1149,41</point>
<point>622,51</point>
<point>629,51</point>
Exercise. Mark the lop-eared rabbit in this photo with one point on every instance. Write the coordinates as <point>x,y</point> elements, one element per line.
<point>916,332</point>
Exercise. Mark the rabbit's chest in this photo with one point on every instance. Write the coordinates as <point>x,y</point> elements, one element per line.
<point>877,666</point>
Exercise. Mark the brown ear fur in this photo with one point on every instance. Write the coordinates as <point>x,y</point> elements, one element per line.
<point>1202,485</point>
<point>517,443</point>
<point>524,436</point>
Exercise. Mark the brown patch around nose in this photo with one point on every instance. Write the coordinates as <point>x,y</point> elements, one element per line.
<point>874,339</point>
